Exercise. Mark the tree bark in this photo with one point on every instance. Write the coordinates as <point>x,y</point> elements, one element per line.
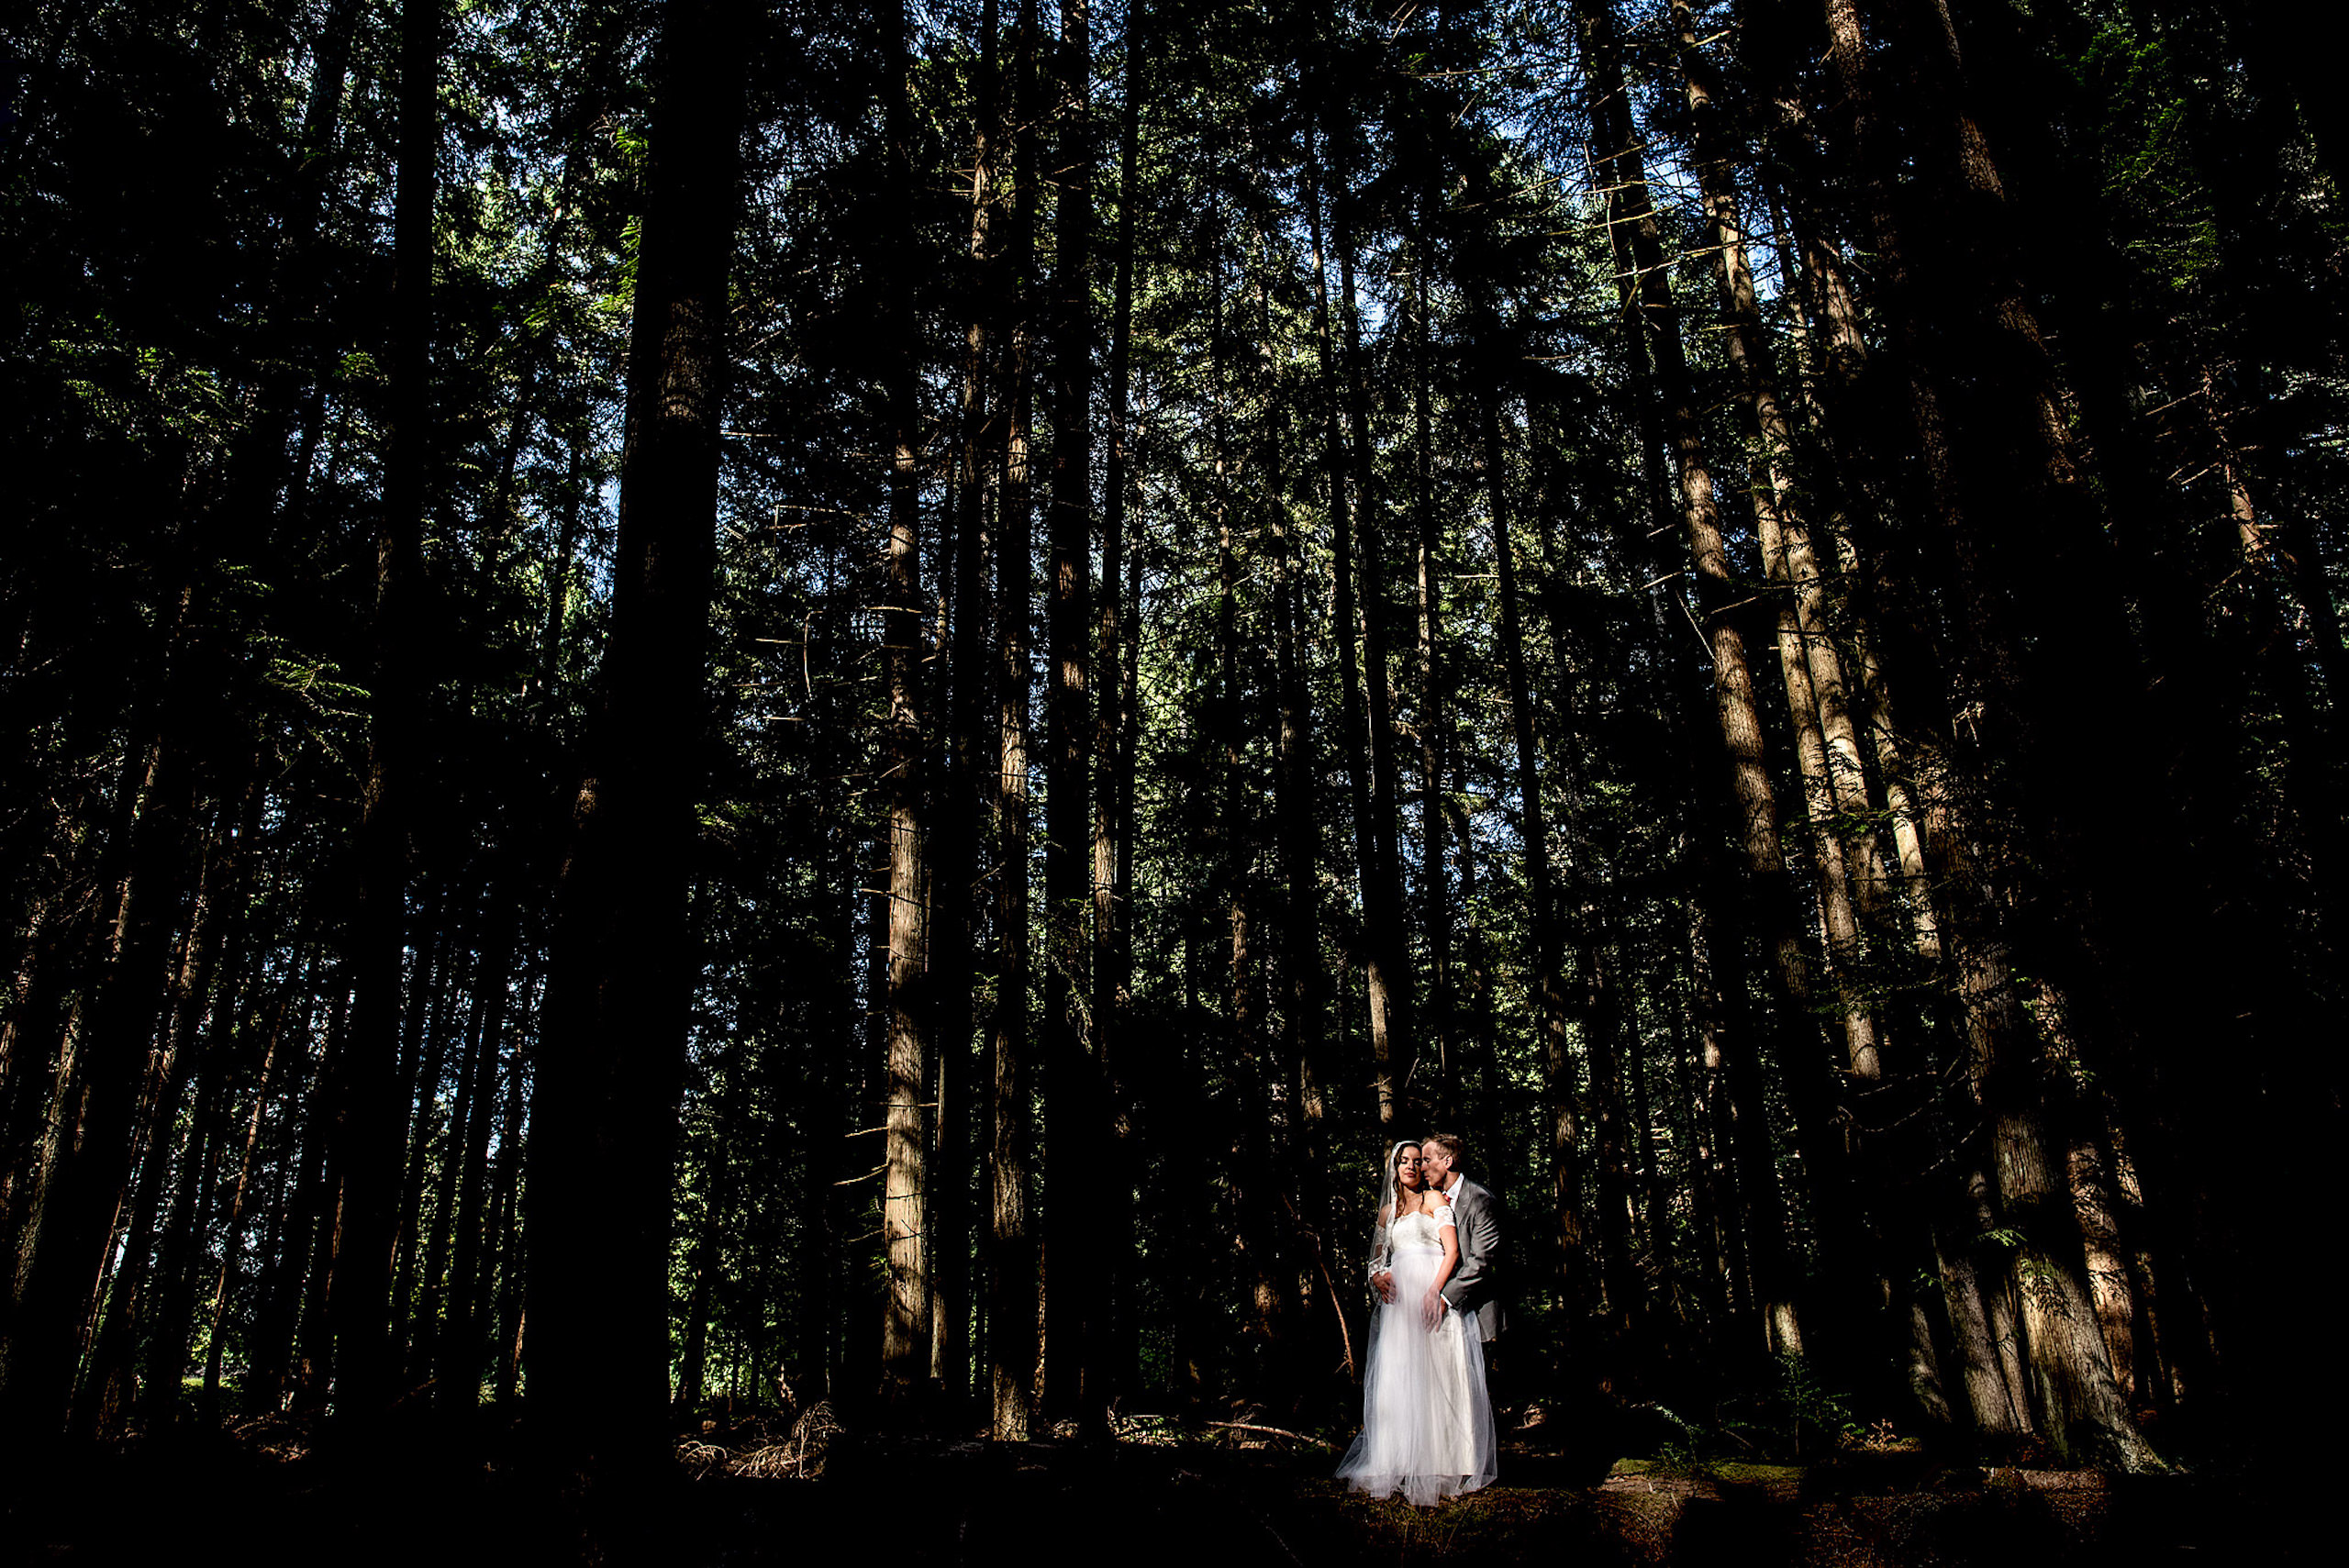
<point>1432,712</point>
<point>1013,1277</point>
<point>612,1027</point>
<point>232,1225</point>
<point>1827,747</point>
<point>1768,901</point>
<point>1386,956</point>
<point>905,1328</point>
<point>1115,719</point>
<point>1074,1113</point>
<point>2015,442</point>
<point>367,1127</point>
<point>84,1163</point>
<point>1553,1007</point>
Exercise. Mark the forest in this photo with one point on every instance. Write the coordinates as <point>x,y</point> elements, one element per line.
<point>719,711</point>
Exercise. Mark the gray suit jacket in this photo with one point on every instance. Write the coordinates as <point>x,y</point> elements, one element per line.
<point>1474,1285</point>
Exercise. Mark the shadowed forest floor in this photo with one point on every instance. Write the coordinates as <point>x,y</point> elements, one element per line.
<point>265,1498</point>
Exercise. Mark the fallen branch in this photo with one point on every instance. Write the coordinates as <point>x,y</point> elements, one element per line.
<point>1274,1431</point>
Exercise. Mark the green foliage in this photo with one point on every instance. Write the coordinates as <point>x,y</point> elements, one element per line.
<point>1786,1412</point>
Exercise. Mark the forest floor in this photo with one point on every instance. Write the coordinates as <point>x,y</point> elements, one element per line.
<point>260,1497</point>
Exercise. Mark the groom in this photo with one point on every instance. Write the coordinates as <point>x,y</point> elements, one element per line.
<point>1474,1286</point>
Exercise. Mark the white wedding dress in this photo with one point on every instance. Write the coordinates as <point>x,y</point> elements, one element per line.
<point>1427,1422</point>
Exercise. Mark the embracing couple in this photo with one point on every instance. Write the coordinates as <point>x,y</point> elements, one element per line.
<point>1427,1421</point>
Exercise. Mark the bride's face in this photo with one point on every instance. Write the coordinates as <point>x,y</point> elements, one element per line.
<point>1406,1167</point>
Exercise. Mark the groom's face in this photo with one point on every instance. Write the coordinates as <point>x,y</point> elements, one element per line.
<point>1435,1164</point>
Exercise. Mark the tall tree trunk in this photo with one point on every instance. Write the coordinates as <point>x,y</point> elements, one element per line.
<point>1346,620</point>
<point>508,1242</point>
<point>2077,1400</point>
<point>153,1250</point>
<point>436,1320</point>
<point>1852,432</point>
<point>367,1125</point>
<point>612,1026</point>
<point>433,989</point>
<point>1826,745</point>
<point>1768,900</point>
<point>1074,1117</point>
<point>1012,1255</point>
<point>457,1370</point>
<point>958,818</point>
<point>906,1330</point>
<point>237,866</point>
<point>1385,959</point>
<point>1432,714</point>
<point>84,1163</point>
<point>233,1223</point>
<point>270,1344</point>
<point>1115,718</point>
<point>1549,978</point>
<point>1234,862</point>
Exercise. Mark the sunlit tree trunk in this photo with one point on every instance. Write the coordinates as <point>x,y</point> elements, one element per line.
<point>1843,359</point>
<point>906,1323</point>
<point>1826,746</point>
<point>1768,900</point>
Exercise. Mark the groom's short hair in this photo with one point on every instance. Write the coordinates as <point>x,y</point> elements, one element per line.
<point>1454,1145</point>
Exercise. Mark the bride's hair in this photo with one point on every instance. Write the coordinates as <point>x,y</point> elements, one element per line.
<point>1391,1197</point>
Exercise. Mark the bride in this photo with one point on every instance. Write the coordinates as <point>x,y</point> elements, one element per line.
<point>1427,1422</point>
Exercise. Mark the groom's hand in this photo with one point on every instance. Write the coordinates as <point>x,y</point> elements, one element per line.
<point>1383,1282</point>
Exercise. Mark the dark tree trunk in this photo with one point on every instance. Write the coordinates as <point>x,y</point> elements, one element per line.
<point>1073,1116</point>
<point>612,1027</point>
<point>1345,617</point>
<point>959,816</point>
<point>305,972</point>
<point>1432,712</point>
<point>367,1108</point>
<point>457,1370</point>
<point>1012,1254</point>
<point>1549,977</point>
<point>1115,718</point>
<point>223,910</point>
<point>2011,442</point>
<point>1385,960</point>
<point>84,1163</point>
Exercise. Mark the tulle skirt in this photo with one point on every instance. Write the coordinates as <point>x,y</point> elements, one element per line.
<point>1427,1422</point>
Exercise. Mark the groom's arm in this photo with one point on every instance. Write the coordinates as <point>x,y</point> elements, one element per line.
<point>1480,1236</point>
